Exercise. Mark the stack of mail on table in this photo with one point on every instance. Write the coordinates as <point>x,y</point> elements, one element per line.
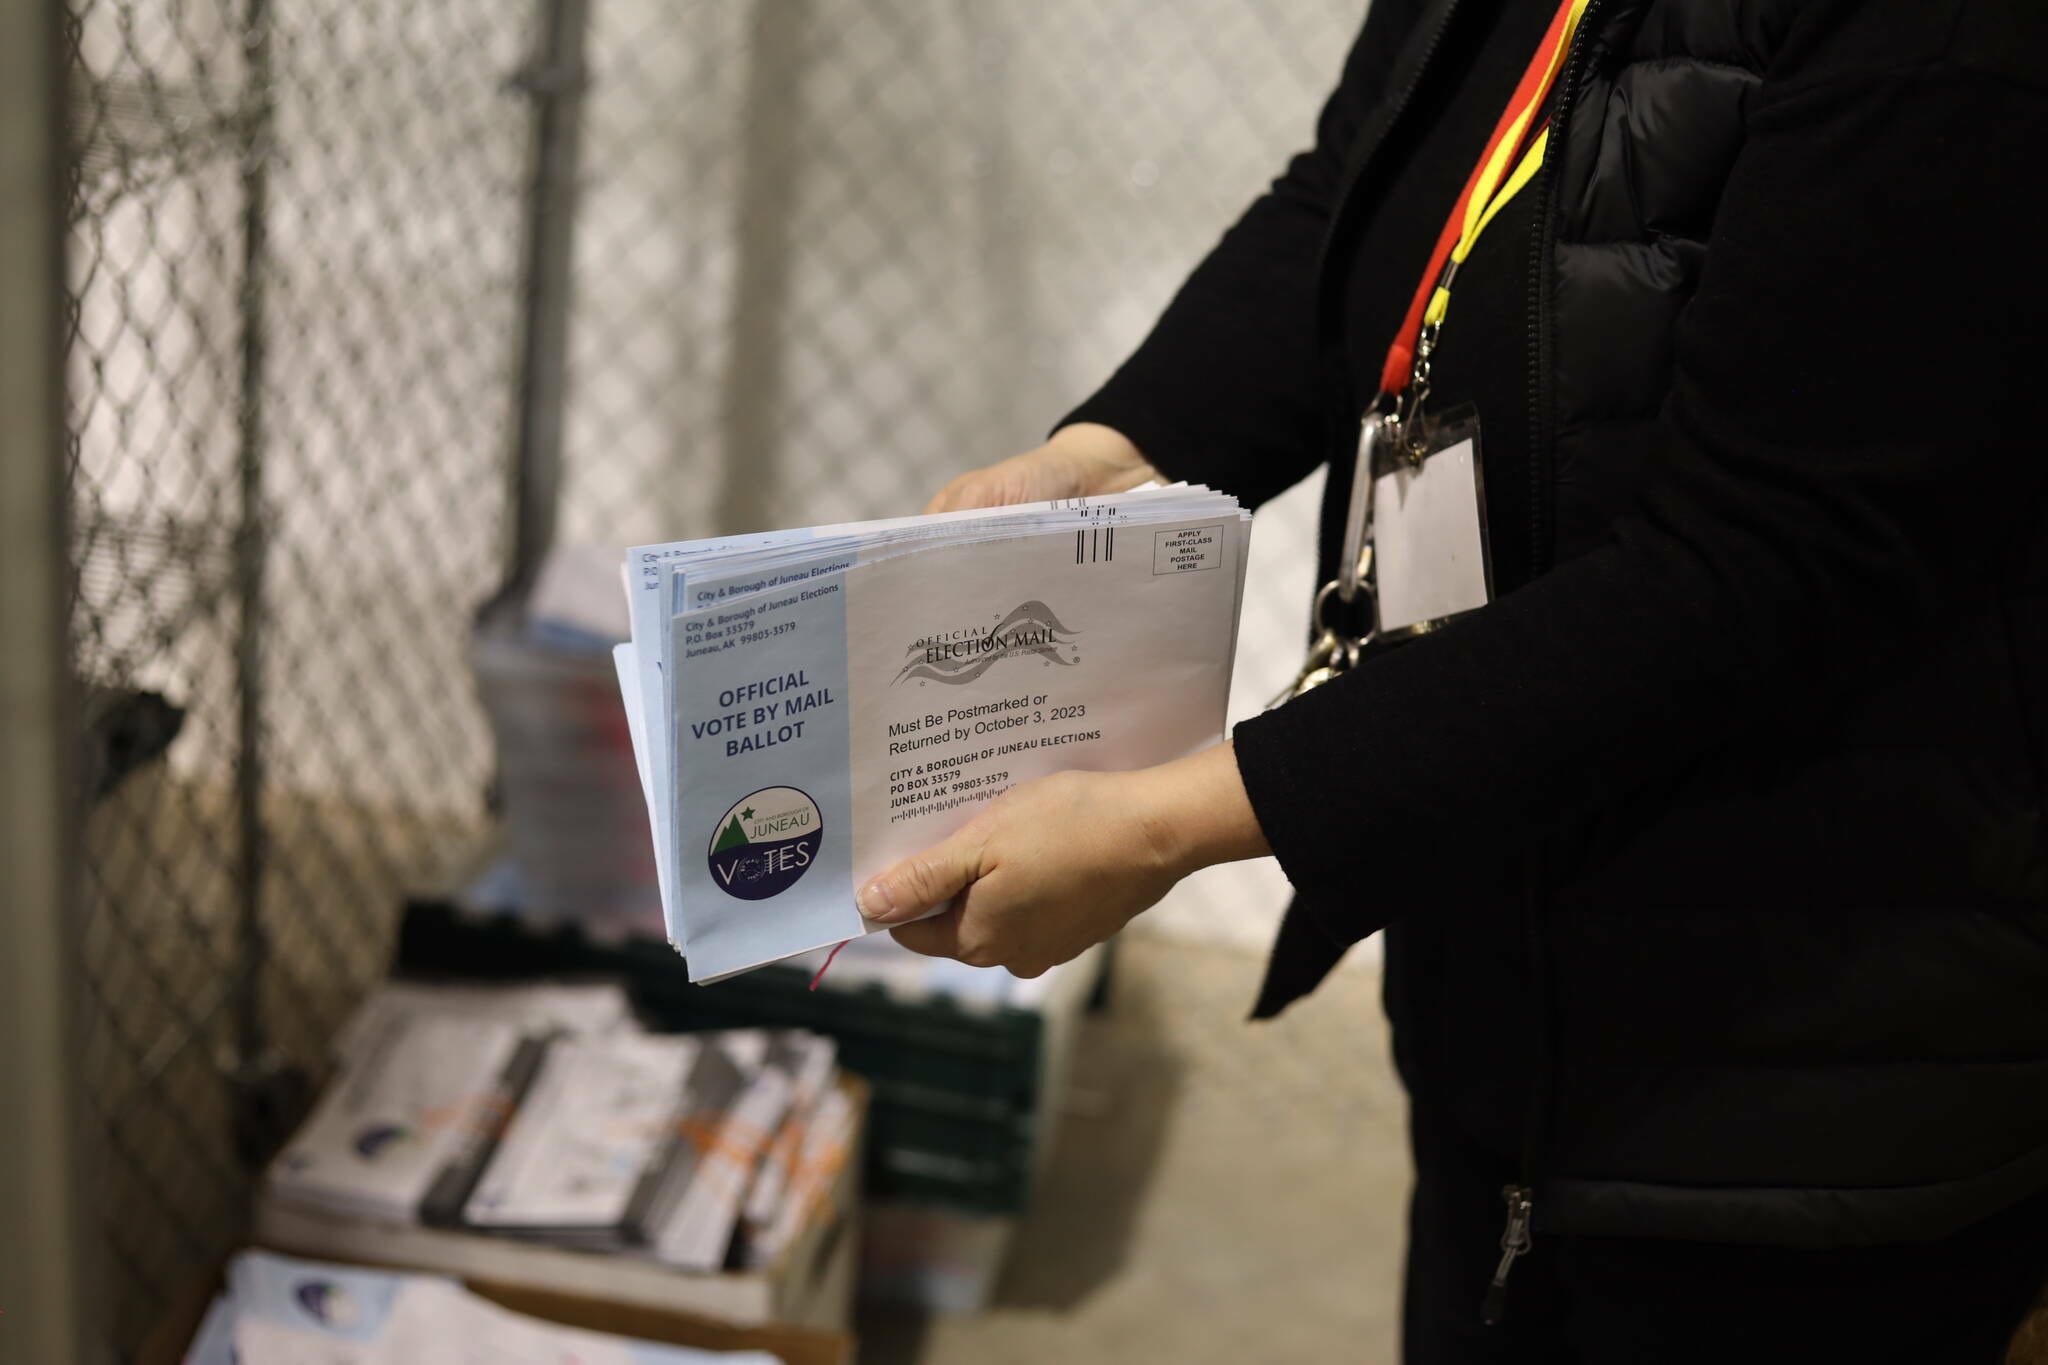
<point>576,848</point>
<point>807,707</point>
<point>491,1111</point>
<point>280,1311</point>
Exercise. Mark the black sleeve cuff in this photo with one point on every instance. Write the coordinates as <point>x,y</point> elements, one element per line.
<point>1276,757</point>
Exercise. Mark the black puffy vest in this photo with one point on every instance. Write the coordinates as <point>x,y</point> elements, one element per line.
<point>1856,1050</point>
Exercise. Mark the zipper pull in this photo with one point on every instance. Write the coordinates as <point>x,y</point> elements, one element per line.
<point>1514,1241</point>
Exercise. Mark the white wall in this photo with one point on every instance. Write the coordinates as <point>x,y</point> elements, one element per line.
<point>832,254</point>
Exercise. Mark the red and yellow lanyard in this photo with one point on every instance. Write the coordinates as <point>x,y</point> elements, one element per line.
<point>1498,177</point>
<point>1487,190</point>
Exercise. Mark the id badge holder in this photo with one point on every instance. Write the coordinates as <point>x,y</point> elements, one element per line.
<point>1430,551</point>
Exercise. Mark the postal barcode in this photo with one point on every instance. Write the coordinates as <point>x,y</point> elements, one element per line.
<point>1096,545</point>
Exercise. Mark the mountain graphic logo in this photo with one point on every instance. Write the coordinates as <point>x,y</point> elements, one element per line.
<point>765,843</point>
<point>1029,631</point>
<point>733,837</point>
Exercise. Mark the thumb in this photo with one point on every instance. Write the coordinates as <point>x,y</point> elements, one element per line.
<point>921,884</point>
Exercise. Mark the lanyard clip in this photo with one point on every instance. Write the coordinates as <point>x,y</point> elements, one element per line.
<point>1408,424</point>
<point>1354,561</point>
<point>1338,640</point>
<point>1347,608</point>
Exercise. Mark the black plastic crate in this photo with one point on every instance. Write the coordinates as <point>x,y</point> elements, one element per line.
<point>956,1104</point>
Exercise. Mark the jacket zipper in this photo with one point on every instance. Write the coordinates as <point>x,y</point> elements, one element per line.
<point>1516,1236</point>
<point>1542,247</point>
<point>1514,1243</point>
<point>1520,1199</point>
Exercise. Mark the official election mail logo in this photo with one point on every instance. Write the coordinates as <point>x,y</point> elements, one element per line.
<point>961,656</point>
<point>765,842</point>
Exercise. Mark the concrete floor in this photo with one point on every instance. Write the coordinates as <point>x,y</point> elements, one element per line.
<point>1220,1191</point>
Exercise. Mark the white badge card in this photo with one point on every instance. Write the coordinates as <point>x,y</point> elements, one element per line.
<point>1429,529</point>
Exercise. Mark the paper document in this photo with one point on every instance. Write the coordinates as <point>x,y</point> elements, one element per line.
<point>586,1146</point>
<point>410,1120</point>
<point>816,705</point>
<point>278,1310</point>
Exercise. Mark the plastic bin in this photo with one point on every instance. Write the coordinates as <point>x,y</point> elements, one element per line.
<point>959,1113</point>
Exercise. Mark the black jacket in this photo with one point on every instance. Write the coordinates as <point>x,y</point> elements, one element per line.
<point>1725,822</point>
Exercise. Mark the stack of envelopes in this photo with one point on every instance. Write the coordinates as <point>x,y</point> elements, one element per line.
<point>809,706</point>
<point>493,1112</point>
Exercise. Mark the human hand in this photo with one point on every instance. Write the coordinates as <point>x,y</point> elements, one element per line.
<point>1052,867</point>
<point>1079,461</point>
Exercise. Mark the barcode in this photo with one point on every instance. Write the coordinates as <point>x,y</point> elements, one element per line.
<point>1095,546</point>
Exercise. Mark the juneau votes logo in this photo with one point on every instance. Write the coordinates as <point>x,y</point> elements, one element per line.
<point>326,1302</point>
<point>765,842</point>
<point>373,1139</point>
<point>961,656</point>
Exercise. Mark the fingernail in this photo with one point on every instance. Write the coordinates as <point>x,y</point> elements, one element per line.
<point>875,901</point>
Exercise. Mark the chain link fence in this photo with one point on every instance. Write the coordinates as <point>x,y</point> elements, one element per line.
<point>295,267</point>
<point>826,256</point>
<point>832,254</point>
